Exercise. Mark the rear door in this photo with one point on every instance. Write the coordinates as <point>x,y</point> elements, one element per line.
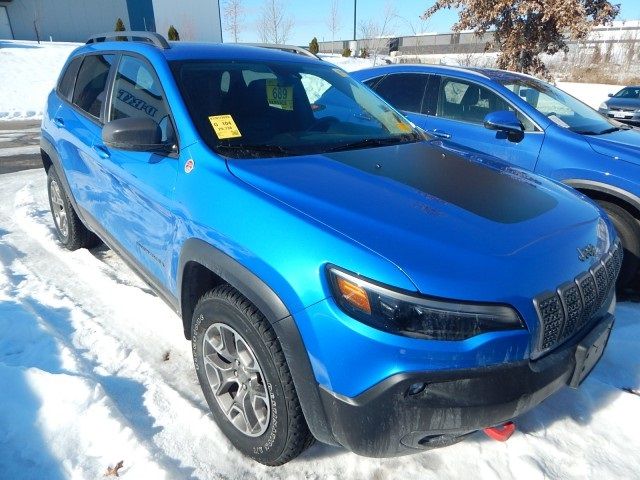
<point>461,106</point>
<point>407,92</point>
<point>138,212</point>
<point>78,121</point>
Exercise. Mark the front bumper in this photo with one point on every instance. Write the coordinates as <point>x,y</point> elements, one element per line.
<point>391,419</point>
<point>631,117</point>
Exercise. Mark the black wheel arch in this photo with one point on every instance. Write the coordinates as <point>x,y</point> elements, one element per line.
<point>201,267</point>
<point>603,191</point>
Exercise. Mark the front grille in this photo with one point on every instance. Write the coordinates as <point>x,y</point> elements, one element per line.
<point>564,312</point>
<point>622,109</point>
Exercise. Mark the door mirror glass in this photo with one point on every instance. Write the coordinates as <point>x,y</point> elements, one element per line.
<point>134,133</point>
<point>505,121</point>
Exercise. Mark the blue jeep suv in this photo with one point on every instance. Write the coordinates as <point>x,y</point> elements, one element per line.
<point>530,124</point>
<point>340,276</point>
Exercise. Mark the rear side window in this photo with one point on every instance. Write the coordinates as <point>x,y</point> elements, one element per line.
<point>404,91</point>
<point>89,92</point>
<point>68,79</point>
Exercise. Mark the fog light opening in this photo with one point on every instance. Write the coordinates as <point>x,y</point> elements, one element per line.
<point>416,388</point>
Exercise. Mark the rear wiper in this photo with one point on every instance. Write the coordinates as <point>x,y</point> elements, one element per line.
<point>257,148</point>
<point>367,142</point>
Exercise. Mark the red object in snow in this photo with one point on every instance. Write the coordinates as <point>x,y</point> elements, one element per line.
<point>501,433</point>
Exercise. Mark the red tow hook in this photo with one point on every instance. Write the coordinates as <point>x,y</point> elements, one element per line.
<point>502,432</point>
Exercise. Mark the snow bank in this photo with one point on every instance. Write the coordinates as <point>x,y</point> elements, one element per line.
<point>28,72</point>
<point>85,381</point>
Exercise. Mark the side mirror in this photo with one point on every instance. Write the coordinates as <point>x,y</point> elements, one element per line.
<point>505,121</point>
<point>137,134</point>
<point>610,94</point>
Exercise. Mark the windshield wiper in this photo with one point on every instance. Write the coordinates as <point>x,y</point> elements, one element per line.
<point>257,148</point>
<point>367,142</point>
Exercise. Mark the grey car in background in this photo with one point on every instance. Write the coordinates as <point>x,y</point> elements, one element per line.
<point>623,106</point>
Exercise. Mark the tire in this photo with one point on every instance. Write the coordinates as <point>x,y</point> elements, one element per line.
<point>629,232</point>
<point>276,432</point>
<point>69,228</point>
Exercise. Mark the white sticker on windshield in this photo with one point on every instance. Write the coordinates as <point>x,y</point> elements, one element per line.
<point>558,121</point>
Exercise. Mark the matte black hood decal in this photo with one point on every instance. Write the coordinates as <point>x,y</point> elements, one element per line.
<point>494,192</point>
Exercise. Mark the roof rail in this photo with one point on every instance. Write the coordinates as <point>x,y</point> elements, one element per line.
<point>131,36</point>
<point>285,48</point>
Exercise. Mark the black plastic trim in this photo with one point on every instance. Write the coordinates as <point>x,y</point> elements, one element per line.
<point>272,307</point>
<point>393,418</point>
<point>612,190</point>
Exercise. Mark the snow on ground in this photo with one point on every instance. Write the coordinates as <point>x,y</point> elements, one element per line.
<point>28,72</point>
<point>85,382</point>
<point>593,94</point>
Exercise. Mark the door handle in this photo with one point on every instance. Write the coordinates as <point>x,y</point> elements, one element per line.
<point>58,121</point>
<point>440,133</point>
<point>102,151</point>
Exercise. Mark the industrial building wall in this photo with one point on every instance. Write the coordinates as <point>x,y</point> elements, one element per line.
<point>197,20</point>
<point>64,20</point>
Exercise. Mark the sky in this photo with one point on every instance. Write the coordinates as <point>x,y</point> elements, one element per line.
<point>310,18</point>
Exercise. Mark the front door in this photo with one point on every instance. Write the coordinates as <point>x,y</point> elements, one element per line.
<point>461,108</point>
<point>140,214</point>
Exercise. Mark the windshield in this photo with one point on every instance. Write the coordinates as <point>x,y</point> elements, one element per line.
<point>628,92</point>
<point>560,107</point>
<point>246,110</point>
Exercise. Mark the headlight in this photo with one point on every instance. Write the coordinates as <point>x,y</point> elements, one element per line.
<point>603,106</point>
<point>413,316</point>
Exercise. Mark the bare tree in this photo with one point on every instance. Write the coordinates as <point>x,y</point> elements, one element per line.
<point>274,25</point>
<point>233,13</point>
<point>333,21</point>
<point>376,32</point>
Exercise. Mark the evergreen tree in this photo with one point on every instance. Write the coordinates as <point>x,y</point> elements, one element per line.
<point>313,46</point>
<point>120,28</point>
<point>173,33</point>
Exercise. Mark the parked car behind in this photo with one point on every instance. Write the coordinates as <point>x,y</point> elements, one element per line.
<point>530,124</point>
<point>340,276</point>
<point>623,106</point>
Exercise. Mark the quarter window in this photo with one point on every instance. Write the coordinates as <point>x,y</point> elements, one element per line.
<point>90,89</point>
<point>68,79</point>
<point>137,93</point>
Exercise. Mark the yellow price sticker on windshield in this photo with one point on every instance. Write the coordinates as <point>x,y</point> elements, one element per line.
<point>279,96</point>
<point>224,126</point>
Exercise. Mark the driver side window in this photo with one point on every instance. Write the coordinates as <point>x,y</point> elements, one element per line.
<point>137,94</point>
<point>469,102</point>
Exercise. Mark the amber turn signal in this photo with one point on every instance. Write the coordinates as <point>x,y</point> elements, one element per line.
<point>354,294</point>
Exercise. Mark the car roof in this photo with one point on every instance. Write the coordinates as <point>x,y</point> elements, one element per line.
<point>198,51</point>
<point>469,72</point>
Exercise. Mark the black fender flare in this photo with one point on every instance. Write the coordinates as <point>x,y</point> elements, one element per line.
<point>619,193</point>
<point>275,311</point>
<point>47,147</point>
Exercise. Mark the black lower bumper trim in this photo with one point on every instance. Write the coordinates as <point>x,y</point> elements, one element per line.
<point>400,415</point>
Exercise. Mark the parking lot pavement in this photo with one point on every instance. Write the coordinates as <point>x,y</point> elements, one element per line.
<point>19,145</point>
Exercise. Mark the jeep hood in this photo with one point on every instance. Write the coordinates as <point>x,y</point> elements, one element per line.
<point>451,222</point>
<point>624,144</point>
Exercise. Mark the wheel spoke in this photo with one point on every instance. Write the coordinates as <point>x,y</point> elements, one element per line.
<point>236,379</point>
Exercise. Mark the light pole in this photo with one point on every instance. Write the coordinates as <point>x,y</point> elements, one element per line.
<point>355,8</point>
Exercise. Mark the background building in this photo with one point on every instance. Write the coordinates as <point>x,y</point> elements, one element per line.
<point>75,20</point>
